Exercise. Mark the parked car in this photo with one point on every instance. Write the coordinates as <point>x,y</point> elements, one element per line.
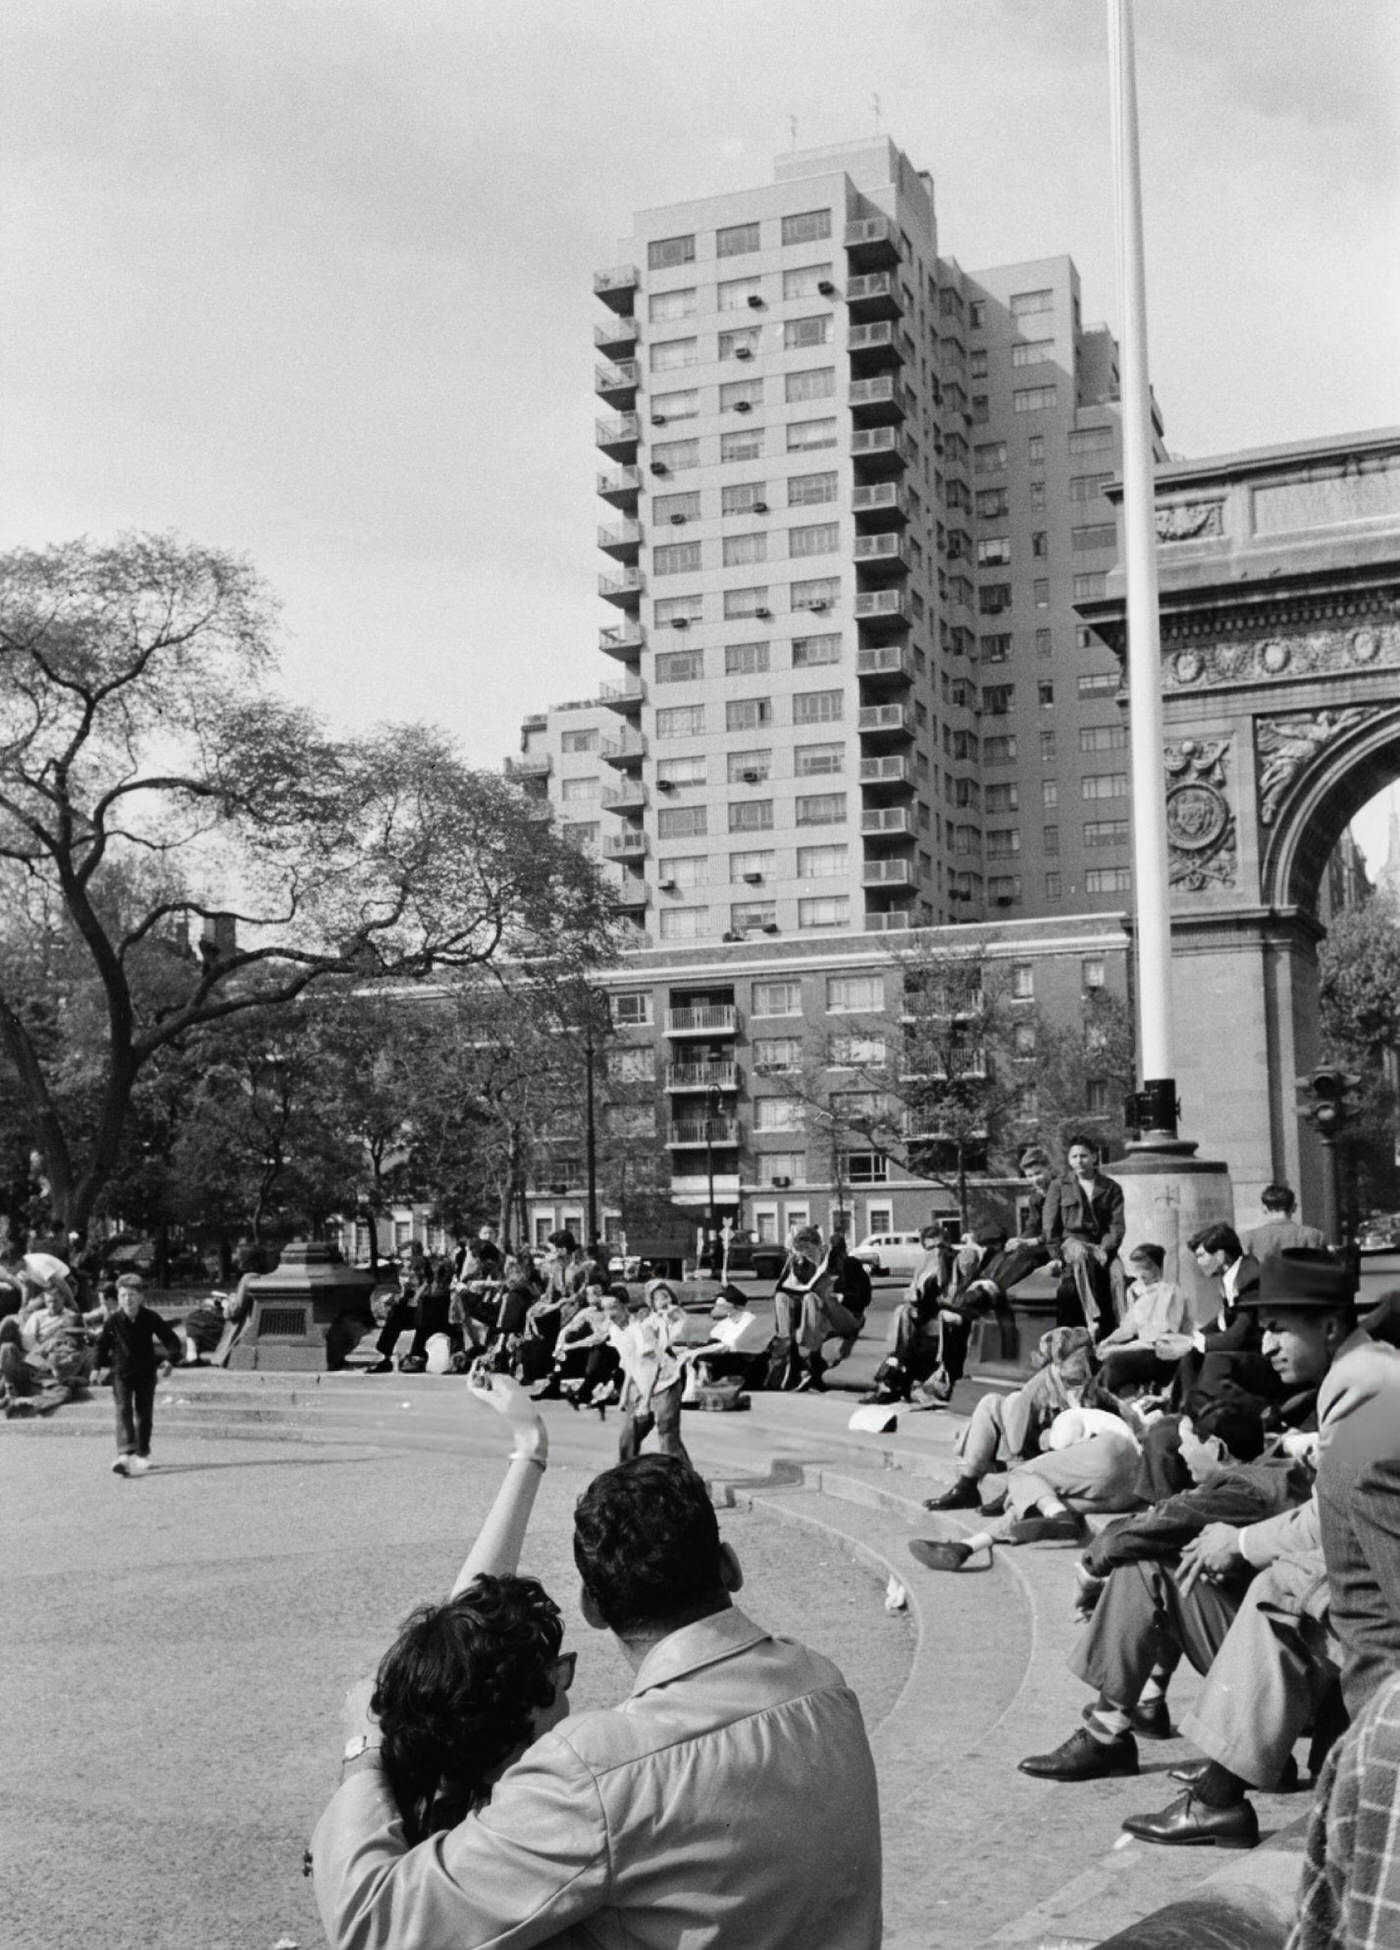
<point>748,1254</point>
<point>896,1253</point>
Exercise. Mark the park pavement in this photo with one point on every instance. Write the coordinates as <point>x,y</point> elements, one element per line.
<point>182,1643</point>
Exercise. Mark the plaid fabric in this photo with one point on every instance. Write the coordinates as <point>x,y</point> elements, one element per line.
<point>1350,1894</point>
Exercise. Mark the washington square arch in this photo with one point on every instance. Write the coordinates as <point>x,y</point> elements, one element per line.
<point>1280,655</point>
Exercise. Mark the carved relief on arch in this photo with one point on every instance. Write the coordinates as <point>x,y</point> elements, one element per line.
<point>1288,745</point>
<point>1201,850</point>
<point>1371,645</point>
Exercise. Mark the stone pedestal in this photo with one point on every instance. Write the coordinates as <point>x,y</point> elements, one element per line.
<point>307,1314</point>
<point>1168,1194</point>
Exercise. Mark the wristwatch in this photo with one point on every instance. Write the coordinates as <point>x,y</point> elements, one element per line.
<point>361,1744</point>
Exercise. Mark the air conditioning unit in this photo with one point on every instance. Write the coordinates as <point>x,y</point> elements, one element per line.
<point>678,521</point>
<point>754,879</point>
<point>781,1183</point>
<point>658,419</point>
<point>665,785</point>
<point>680,622</point>
<point>743,406</point>
<point>667,886</point>
<point>743,352</point>
<point>826,287</point>
<point>731,934</point>
<point>659,467</point>
<point>751,778</point>
<point>766,614</point>
<point>814,607</point>
<point>755,302</point>
<point>770,927</point>
<point>760,508</point>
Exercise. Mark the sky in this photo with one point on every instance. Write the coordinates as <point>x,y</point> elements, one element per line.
<point>312,279</point>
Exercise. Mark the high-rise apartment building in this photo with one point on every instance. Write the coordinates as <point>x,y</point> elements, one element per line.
<point>853,494</point>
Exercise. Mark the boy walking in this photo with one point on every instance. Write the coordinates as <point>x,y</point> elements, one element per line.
<point>127,1345</point>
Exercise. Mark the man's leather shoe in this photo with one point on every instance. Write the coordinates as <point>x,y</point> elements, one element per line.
<point>1191,1771</point>
<point>1082,1758</point>
<point>995,1506</point>
<point>1068,1528</point>
<point>962,1496</point>
<point>1151,1719</point>
<point>939,1556</point>
<point>1189,1823</point>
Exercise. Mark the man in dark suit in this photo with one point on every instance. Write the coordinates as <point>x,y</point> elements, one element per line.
<point>1083,1228</point>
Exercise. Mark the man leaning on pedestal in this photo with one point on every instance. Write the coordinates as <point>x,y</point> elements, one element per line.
<point>729,1801</point>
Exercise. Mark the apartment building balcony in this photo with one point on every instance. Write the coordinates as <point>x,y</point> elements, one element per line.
<point>887,823</point>
<point>620,436</point>
<point>529,765</point>
<point>889,920</point>
<point>875,295</point>
<point>879,346</point>
<point>617,383</point>
<point>621,486</point>
<point>627,845</point>
<point>622,540</point>
<point>617,288</point>
<point>885,666</point>
<point>703,1019</point>
<point>616,336</point>
<point>632,895</point>
<point>623,752</point>
<point>895,876</point>
<point>884,554</point>
<point>880,504</point>
<point>628,696</point>
<point>885,721</point>
<point>880,450</point>
<point>625,590</point>
<point>878,401</point>
<point>702,1131</point>
<point>872,243</point>
<point>625,641</point>
<point>630,796</point>
<point>884,606</point>
<point>887,771</point>
<point>702,1076</point>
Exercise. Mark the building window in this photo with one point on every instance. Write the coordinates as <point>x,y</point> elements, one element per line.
<point>1003,842</point>
<point>742,498</point>
<point>572,791</point>
<point>747,713</point>
<point>679,666</point>
<point>675,558</point>
<point>817,707</point>
<point>824,911</point>
<point>1053,887</point>
<point>977,364</point>
<point>745,659</point>
<point>822,862</point>
<point>1087,487</point>
<point>1103,738</point>
<point>1028,304</point>
<point>1045,694</point>
<point>1004,889</point>
<point>1040,543</point>
<point>993,598</point>
<point>681,721</point>
<point>688,870</point>
<point>736,240</point>
<point>1091,971</point>
<point>1050,840</point>
<point>1108,880</point>
<point>749,768</point>
<point>855,995</point>
<point>775,1056</point>
<point>663,252</point>
<point>821,809</point>
<point>976,314</point>
<point>807,227</point>
<point>675,456</point>
<point>676,507</point>
<point>631,1008</point>
<point>740,550</point>
<point>805,436</point>
<point>733,294</point>
<point>751,815</point>
<point>746,444</point>
<point>1096,1096</point>
<point>820,538</point>
<point>1104,785</point>
<point>664,307</point>
<point>669,354</point>
<point>579,741</point>
<point>815,761</point>
<point>1087,587</point>
<point>817,592</point>
<point>778,1114</point>
<point>666,407</point>
<point>582,833</point>
<point>680,823</point>
<point>744,915</point>
<point>1044,643</point>
<point>1033,399</point>
<point>1000,798</point>
<point>742,342</point>
<point>981,407</point>
<point>994,553</point>
<point>1040,592</point>
<point>1091,440</point>
<point>808,490</point>
<point>1032,352</point>
<point>1106,832</point>
<point>999,751</point>
<point>802,332</point>
<point>740,393</point>
<point>1023,981</point>
<point>1098,534</point>
<point>1101,684</point>
<point>1049,793</point>
<point>803,281</point>
<point>997,699</point>
<point>776,999</point>
<point>689,770</point>
<point>684,923</point>
<point>1047,747</point>
<point>994,649</point>
<point>670,610</point>
<point>745,602</point>
<point>991,502</point>
<point>990,458</point>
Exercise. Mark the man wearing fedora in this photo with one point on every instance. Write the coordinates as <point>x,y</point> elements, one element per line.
<point>1151,1612</point>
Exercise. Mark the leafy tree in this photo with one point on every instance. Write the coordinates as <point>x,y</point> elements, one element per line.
<point>1083,1071</point>
<point>178,846</point>
<point>1359,998</point>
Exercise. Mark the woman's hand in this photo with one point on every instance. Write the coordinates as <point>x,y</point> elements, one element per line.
<point>510,1400</point>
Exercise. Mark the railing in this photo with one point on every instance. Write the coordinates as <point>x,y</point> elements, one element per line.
<point>620,377</point>
<point>530,765</point>
<point>871,230</point>
<point>885,547</point>
<point>615,798</point>
<point>633,893</point>
<point>624,846</point>
<point>881,497</point>
<point>620,481</point>
<point>893,769</point>
<point>884,391</point>
<point>884,660</point>
<point>876,284</point>
<point>879,441</point>
<point>717,1017</point>
<point>888,873</point>
<point>892,923</point>
<point>702,1076</point>
<point>622,277</point>
<point>709,1130</point>
<point>615,332</point>
<point>623,751</point>
<point>624,534</point>
<point>887,819</point>
<point>622,640</point>
<point>882,605</point>
<point>621,697</point>
<point>629,583</point>
<point>622,430</point>
<point>885,717</point>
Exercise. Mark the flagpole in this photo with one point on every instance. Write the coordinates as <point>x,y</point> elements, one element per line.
<point>1149,804</point>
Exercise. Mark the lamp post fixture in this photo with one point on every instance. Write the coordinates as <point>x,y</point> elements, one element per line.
<point>1328,1112</point>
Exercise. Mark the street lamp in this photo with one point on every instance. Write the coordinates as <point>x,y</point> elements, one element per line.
<point>712,1105</point>
<point>1328,1112</point>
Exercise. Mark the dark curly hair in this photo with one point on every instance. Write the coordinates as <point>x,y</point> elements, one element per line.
<point>454,1693</point>
<point>646,1543</point>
